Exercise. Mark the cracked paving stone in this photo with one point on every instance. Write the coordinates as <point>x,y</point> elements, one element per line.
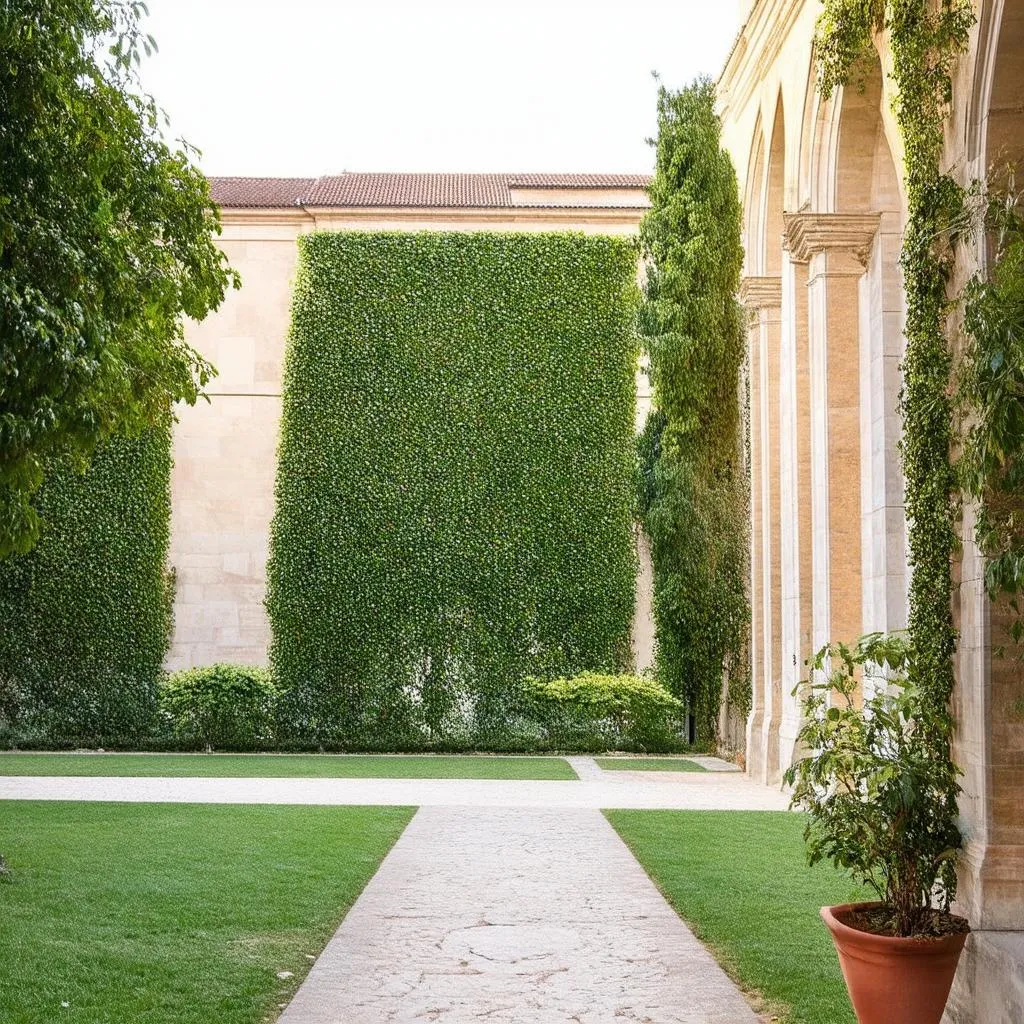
<point>533,916</point>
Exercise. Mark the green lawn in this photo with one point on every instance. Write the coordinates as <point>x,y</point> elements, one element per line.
<point>350,766</point>
<point>648,764</point>
<point>174,913</point>
<point>741,881</point>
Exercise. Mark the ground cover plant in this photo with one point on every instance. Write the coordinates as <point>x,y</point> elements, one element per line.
<point>174,914</point>
<point>648,764</point>
<point>455,485</point>
<point>327,766</point>
<point>740,880</point>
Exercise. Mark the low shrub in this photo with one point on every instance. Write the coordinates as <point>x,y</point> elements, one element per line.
<point>230,707</point>
<point>592,711</point>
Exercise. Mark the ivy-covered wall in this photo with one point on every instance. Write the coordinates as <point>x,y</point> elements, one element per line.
<point>86,615</point>
<point>455,495</point>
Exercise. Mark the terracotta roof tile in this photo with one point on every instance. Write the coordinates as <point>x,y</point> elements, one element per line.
<point>404,190</point>
<point>260,192</point>
<point>579,180</point>
<point>411,190</point>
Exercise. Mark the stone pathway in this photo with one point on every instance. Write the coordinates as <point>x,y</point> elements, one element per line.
<point>501,914</point>
<point>502,900</point>
<point>596,789</point>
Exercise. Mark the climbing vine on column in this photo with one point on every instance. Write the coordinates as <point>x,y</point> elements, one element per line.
<point>694,494</point>
<point>925,39</point>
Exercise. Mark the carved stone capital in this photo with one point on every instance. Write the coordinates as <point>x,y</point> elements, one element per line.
<point>759,293</point>
<point>811,233</point>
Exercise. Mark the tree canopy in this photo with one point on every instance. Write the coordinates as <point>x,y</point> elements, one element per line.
<point>106,244</point>
<point>694,486</point>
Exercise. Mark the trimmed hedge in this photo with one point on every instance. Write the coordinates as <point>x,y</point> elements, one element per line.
<point>608,712</point>
<point>86,615</point>
<point>230,707</point>
<point>455,482</point>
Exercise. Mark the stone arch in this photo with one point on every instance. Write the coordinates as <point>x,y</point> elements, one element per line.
<point>812,100</point>
<point>752,202</point>
<point>998,99</point>
<point>836,126</point>
<point>992,869</point>
<point>867,183</point>
<point>774,195</point>
<point>762,290</point>
<point>850,241</point>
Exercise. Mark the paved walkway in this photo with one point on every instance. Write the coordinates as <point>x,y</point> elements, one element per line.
<point>500,914</point>
<point>596,789</point>
<point>502,900</point>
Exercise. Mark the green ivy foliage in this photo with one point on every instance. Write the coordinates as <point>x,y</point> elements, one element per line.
<point>926,39</point>
<point>694,491</point>
<point>455,481</point>
<point>991,393</point>
<point>87,613</point>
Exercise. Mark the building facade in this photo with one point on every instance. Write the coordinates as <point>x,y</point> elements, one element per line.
<point>824,214</point>
<point>225,449</point>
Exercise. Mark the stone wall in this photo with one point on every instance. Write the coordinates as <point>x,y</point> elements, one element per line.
<point>828,524</point>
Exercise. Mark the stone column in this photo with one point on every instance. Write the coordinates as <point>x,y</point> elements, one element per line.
<point>835,248</point>
<point>882,347</point>
<point>795,497</point>
<point>763,297</point>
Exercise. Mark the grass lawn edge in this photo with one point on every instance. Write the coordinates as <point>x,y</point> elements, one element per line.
<point>757,1000</point>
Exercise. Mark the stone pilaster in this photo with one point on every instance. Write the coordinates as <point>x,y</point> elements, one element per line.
<point>795,500</point>
<point>835,248</point>
<point>763,297</point>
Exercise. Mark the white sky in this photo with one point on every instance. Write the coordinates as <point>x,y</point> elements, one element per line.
<point>297,87</point>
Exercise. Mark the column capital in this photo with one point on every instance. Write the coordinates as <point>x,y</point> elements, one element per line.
<point>811,233</point>
<point>759,293</point>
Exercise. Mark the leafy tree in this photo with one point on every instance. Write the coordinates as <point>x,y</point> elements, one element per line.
<point>694,491</point>
<point>106,242</point>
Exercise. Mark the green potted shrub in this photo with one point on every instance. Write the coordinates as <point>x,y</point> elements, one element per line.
<point>880,792</point>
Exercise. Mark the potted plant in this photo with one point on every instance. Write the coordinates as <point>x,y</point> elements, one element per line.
<point>880,792</point>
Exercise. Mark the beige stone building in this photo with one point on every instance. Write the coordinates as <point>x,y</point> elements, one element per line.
<point>824,208</point>
<point>225,449</point>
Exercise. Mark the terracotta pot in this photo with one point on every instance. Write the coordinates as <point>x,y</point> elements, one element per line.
<point>892,980</point>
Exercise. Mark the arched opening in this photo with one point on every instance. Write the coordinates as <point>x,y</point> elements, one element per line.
<point>1004,141</point>
<point>849,242</point>
<point>866,182</point>
<point>774,199</point>
<point>988,738</point>
<point>752,205</point>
